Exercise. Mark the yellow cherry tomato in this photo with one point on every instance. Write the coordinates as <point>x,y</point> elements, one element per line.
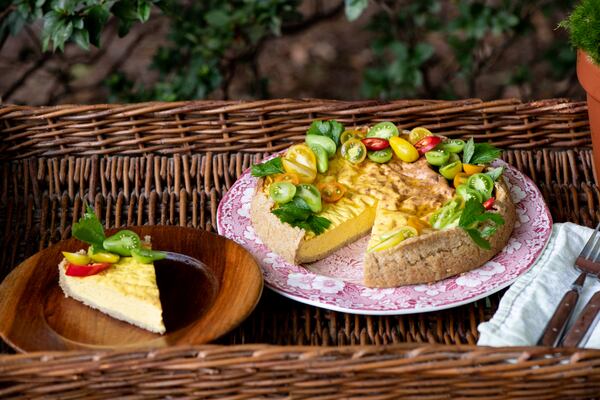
<point>304,174</point>
<point>351,134</point>
<point>287,177</point>
<point>471,169</point>
<point>76,258</point>
<point>417,134</point>
<point>354,151</point>
<point>460,179</point>
<point>403,149</point>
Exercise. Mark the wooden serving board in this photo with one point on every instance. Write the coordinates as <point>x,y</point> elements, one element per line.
<point>200,302</point>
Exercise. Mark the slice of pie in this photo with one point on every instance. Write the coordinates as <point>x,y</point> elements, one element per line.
<point>126,291</point>
<point>386,199</point>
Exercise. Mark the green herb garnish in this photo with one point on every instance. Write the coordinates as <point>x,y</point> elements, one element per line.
<point>479,223</point>
<point>495,173</point>
<point>274,166</point>
<point>479,153</point>
<point>298,213</point>
<point>89,229</point>
<point>332,129</point>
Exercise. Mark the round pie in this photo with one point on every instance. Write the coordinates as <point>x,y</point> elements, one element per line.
<point>430,215</point>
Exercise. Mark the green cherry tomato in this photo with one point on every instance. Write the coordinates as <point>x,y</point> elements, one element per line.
<point>380,156</point>
<point>483,183</point>
<point>122,242</point>
<point>146,256</point>
<point>449,171</point>
<point>101,256</point>
<point>437,157</point>
<point>384,130</point>
<point>354,151</point>
<point>282,192</point>
<point>311,195</point>
<point>453,145</point>
<point>322,156</point>
<point>453,157</point>
<point>326,143</point>
<point>467,193</point>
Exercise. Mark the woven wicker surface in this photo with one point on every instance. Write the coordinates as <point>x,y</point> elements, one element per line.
<point>171,163</point>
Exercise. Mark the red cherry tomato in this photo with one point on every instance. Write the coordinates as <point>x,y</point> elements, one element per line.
<point>489,203</point>
<point>375,144</point>
<point>427,143</point>
<point>85,270</point>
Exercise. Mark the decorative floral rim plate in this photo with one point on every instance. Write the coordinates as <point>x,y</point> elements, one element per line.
<point>333,283</point>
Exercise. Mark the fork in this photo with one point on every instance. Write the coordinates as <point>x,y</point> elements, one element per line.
<point>588,262</point>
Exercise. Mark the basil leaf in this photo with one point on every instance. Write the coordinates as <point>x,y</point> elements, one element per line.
<point>495,173</point>
<point>274,166</point>
<point>89,229</point>
<point>298,213</point>
<point>336,131</point>
<point>468,151</point>
<point>478,239</point>
<point>484,153</point>
<point>332,129</point>
<point>315,223</point>
<point>489,231</point>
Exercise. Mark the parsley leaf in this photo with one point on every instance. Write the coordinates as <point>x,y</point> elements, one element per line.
<point>274,166</point>
<point>495,173</point>
<point>89,229</point>
<point>479,153</point>
<point>332,129</point>
<point>478,223</point>
<point>297,213</point>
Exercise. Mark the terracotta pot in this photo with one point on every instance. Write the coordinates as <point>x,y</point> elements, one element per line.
<point>589,77</point>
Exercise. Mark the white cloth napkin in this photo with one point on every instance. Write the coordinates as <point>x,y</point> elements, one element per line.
<point>530,302</point>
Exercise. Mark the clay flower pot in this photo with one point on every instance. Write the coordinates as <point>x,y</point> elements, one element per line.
<point>589,77</point>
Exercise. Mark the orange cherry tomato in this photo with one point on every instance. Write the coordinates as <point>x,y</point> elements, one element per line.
<point>331,191</point>
<point>460,179</point>
<point>287,177</point>
<point>471,169</point>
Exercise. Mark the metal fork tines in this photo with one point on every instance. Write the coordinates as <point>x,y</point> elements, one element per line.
<point>588,262</point>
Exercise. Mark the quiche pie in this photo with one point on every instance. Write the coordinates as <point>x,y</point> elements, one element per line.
<point>433,206</point>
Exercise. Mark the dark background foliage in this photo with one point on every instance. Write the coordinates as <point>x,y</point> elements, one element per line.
<point>65,51</point>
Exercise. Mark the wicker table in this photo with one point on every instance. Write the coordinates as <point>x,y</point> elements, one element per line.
<point>170,163</point>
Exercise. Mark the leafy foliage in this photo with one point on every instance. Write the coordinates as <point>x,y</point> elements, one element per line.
<point>584,27</point>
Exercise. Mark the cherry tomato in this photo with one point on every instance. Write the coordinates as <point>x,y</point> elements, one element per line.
<point>380,156</point>
<point>354,151</point>
<point>287,177</point>
<point>85,270</point>
<point>460,179</point>
<point>304,174</point>
<point>471,169</point>
<point>418,134</point>
<point>489,203</point>
<point>101,256</point>
<point>331,191</point>
<point>375,143</point>
<point>122,242</point>
<point>311,195</point>
<point>76,258</point>
<point>467,193</point>
<point>384,130</point>
<point>282,192</point>
<point>482,183</point>
<point>403,149</point>
<point>427,143</point>
<point>301,160</point>
<point>451,170</point>
<point>437,157</point>
<point>351,134</point>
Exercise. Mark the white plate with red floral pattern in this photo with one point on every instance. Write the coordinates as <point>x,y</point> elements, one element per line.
<point>333,282</point>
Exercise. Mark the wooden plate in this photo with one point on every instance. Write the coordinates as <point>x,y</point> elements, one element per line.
<point>199,303</point>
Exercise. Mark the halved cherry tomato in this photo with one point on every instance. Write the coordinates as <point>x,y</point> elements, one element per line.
<point>460,179</point>
<point>331,191</point>
<point>471,169</point>
<point>351,134</point>
<point>282,192</point>
<point>384,130</point>
<point>418,133</point>
<point>354,151</point>
<point>489,203</point>
<point>85,270</point>
<point>427,143</point>
<point>287,177</point>
<point>301,160</point>
<point>374,143</point>
<point>403,149</point>
<point>304,174</point>
<point>76,258</point>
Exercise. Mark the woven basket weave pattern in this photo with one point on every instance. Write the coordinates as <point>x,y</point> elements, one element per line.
<point>170,163</point>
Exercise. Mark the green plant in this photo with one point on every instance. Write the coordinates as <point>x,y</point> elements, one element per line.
<point>584,28</point>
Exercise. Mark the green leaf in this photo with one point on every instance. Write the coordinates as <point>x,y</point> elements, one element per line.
<point>61,34</point>
<point>82,38</point>
<point>495,173</point>
<point>144,9</point>
<point>354,8</point>
<point>52,21</point>
<point>274,166</point>
<point>478,239</point>
<point>468,151</point>
<point>95,19</point>
<point>64,6</point>
<point>89,229</point>
<point>485,153</point>
<point>332,129</point>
